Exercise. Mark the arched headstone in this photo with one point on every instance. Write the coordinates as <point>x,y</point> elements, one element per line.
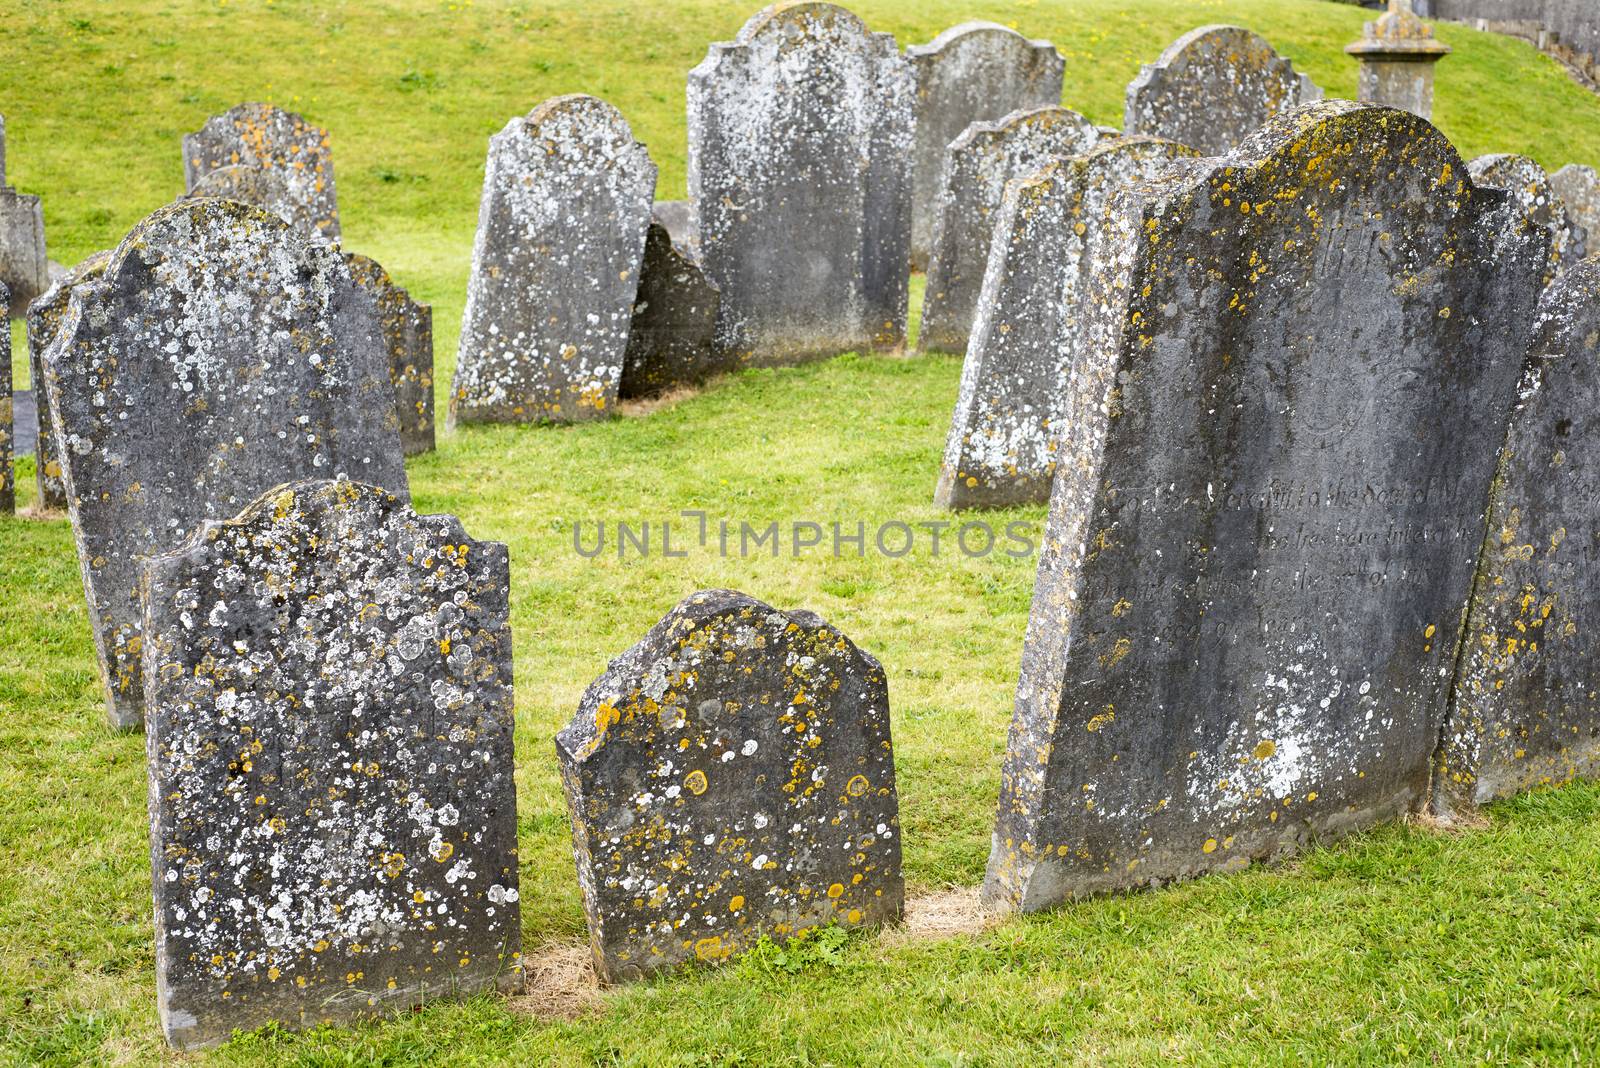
<point>408,335</point>
<point>264,138</point>
<point>1530,186</point>
<point>44,319</point>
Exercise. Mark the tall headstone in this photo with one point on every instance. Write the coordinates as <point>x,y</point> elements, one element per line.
<point>1530,187</point>
<point>800,145</point>
<point>265,138</point>
<point>1267,513</point>
<point>555,267</point>
<point>219,353</point>
<point>8,422</point>
<point>43,321</point>
<point>1212,88</point>
<point>730,778</point>
<point>24,268</point>
<point>1578,187</point>
<point>974,72</point>
<point>977,166</point>
<point>408,335</point>
<point>671,339</point>
<point>1030,336</point>
<point>1397,53</point>
<point>333,814</point>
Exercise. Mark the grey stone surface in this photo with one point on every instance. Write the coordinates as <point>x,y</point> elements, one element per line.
<point>678,217</point>
<point>1268,510</point>
<point>43,322</point>
<point>800,144</point>
<point>555,266</point>
<point>1578,188</point>
<point>1212,88</point>
<point>670,342</point>
<point>265,138</point>
<point>1397,53</point>
<point>24,268</point>
<point>1529,186</point>
<point>220,353</point>
<point>974,72</point>
<point>408,336</point>
<point>977,166</point>
<point>8,429</point>
<point>24,421</point>
<point>1029,336</point>
<point>332,808</point>
<point>731,777</point>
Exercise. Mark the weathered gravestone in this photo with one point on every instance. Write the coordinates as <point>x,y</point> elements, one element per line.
<point>24,268</point>
<point>333,814</point>
<point>8,430</point>
<point>1267,513</point>
<point>800,136</point>
<point>977,166</point>
<point>43,321</point>
<point>1578,188</point>
<point>408,336</point>
<point>1526,706</point>
<point>1030,331</point>
<point>220,353</point>
<point>1529,186</point>
<point>670,342</point>
<point>678,217</point>
<point>974,72</point>
<point>261,137</point>
<point>1212,88</point>
<point>730,778</point>
<point>555,266</point>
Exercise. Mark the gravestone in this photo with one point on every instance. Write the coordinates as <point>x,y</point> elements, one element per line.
<point>1529,185</point>
<point>43,321</point>
<point>1526,706</point>
<point>1212,88</point>
<point>266,138</point>
<point>674,322</point>
<point>1266,515</point>
<point>1578,188</point>
<point>1029,335</point>
<point>8,427</point>
<point>731,778</point>
<point>333,814</point>
<point>408,336</point>
<point>219,353</point>
<point>263,187</point>
<point>678,217</point>
<point>974,72</point>
<point>555,266</point>
<point>800,144</point>
<point>977,166</point>
<point>24,268</point>
<point>1397,53</point>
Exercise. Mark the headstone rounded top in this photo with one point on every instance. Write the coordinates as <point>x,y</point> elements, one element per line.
<point>1236,40</point>
<point>577,109</point>
<point>976,29</point>
<point>1040,118</point>
<point>799,14</point>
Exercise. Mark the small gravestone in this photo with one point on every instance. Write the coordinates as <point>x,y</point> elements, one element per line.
<point>1267,513</point>
<point>731,778</point>
<point>974,72</point>
<point>555,267</point>
<point>1578,188</point>
<point>332,808</point>
<point>977,167</point>
<point>1530,187</point>
<point>8,427</point>
<point>24,268</point>
<point>260,137</point>
<point>408,335</point>
<point>43,321</point>
<point>1212,88</point>
<point>674,320</point>
<point>219,353</point>
<point>1028,335</point>
<point>800,144</point>
<point>678,217</point>
<point>1526,707</point>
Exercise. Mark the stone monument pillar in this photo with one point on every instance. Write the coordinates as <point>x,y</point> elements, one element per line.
<point>1397,54</point>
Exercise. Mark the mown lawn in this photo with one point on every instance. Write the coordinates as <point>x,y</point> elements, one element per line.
<point>1398,946</point>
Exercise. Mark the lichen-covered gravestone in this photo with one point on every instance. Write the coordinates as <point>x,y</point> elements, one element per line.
<point>800,136</point>
<point>1030,331</point>
<point>1212,88</point>
<point>220,353</point>
<point>974,72</point>
<point>1530,186</point>
<point>1266,514</point>
<point>731,778</point>
<point>555,267</point>
<point>1578,188</point>
<point>24,268</point>
<point>1526,706</point>
<point>265,188</point>
<point>8,429</point>
<point>266,138</point>
<point>333,814</point>
<point>408,335</point>
<point>978,165</point>
<point>670,342</point>
<point>43,321</point>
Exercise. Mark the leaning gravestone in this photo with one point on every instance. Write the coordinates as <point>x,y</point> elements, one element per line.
<point>974,72</point>
<point>220,353</point>
<point>1212,88</point>
<point>670,342</point>
<point>8,428</point>
<point>408,335</point>
<point>555,266</point>
<point>1266,516</point>
<point>1526,706</point>
<point>265,138</point>
<point>731,778</point>
<point>333,814</point>
<point>44,320</point>
<point>978,165</point>
<point>24,268</point>
<point>1529,185</point>
<point>1579,189</point>
<point>800,136</point>
<point>1029,332</point>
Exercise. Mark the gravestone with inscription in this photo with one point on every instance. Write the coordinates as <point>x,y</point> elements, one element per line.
<point>24,268</point>
<point>1578,187</point>
<point>1029,334</point>
<point>800,144</point>
<point>977,166</point>
<point>1266,516</point>
<point>731,778</point>
<point>408,335</point>
<point>974,72</point>
<point>670,342</point>
<point>333,814</point>
<point>261,137</point>
<point>555,267</point>
<point>220,352</point>
<point>1530,186</point>
<point>43,321</point>
<point>8,422</point>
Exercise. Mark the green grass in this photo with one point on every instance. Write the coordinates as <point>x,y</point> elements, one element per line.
<point>1400,945</point>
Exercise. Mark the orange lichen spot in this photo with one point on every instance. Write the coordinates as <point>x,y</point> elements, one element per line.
<point>737,903</point>
<point>1210,846</point>
<point>858,786</point>
<point>1264,749</point>
<point>835,890</point>
<point>695,782</point>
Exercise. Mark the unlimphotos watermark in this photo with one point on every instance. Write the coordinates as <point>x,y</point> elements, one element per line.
<point>696,531</point>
